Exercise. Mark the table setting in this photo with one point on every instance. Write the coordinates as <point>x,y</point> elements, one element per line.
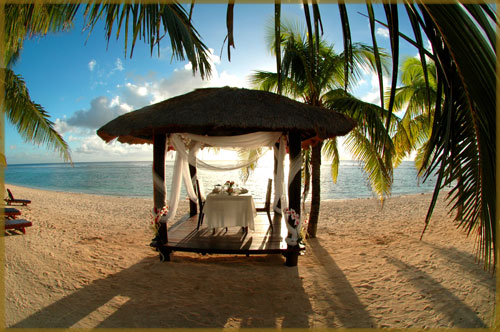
<point>229,205</point>
<point>229,188</point>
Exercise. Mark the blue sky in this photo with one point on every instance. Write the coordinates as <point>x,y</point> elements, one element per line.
<point>83,82</point>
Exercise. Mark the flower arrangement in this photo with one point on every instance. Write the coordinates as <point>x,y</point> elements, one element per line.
<point>299,231</point>
<point>156,215</point>
<point>229,187</point>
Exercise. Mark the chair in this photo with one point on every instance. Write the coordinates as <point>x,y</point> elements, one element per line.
<point>11,213</point>
<point>201,204</point>
<point>267,204</point>
<point>17,224</point>
<point>11,199</point>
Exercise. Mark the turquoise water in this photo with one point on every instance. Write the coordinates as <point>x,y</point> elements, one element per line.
<point>134,179</point>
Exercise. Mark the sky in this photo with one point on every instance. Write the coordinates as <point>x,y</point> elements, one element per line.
<point>83,82</point>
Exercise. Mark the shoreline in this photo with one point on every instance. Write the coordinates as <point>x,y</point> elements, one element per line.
<point>86,263</point>
<point>151,197</point>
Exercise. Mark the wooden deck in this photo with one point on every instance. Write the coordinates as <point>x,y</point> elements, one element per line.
<point>183,236</point>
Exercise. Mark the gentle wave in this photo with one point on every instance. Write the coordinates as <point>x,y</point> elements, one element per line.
<point>134,179</point>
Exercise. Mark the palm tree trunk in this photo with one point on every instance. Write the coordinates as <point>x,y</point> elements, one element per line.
<point>315,190</point>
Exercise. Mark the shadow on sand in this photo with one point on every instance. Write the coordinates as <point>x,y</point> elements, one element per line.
<point>254,292</point>
<point>444,301</point>
<point>344,302</point>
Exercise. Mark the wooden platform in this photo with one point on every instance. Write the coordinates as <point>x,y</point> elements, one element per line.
<point>183,236</point>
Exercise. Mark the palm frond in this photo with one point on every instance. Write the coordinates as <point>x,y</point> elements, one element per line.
<point>378,169</point>
<point>369,142</point>
<point>152,22</point>
<point>248,155</point>
<point>464,128</point>
<point>330,150</point>
<point>376,52</point>
<point>32,121</point>
<point>33,20</point>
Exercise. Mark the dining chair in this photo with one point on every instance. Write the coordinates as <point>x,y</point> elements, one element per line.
<point>267,204</point>
<point>201,204</point>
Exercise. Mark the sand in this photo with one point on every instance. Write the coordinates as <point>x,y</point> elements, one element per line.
<point>86,263</point>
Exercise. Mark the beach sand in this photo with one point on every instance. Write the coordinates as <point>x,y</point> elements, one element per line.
<point>86,263</point>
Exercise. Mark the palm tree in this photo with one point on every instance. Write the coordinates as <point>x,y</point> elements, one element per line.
<point>416,100</point>
<point>151,22</point>
<point>414,130</point>
<point>315,80</point>
<point>461,149</point>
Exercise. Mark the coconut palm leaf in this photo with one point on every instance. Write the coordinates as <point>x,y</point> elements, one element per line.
<point>414,20</point>
<point>152,22</point>
<point>462,152</point>
<point>369,142</point>
<point>277,44</point>
<point>248,155</point>
<point>330,150</point>
<point>32,121</point>
<point>306,174</point>
<point>346,33</point>
<point>463,137</point>
<point>376,52</point>
<point>29,20</point>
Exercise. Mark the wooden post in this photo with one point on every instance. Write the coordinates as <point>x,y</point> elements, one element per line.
<point>294,193</point>
<point>159,141</point>
<point>192,205</point>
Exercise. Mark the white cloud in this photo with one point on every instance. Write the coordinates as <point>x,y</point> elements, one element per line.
<point>92,64</point>
<point>142,91</point>
<point>183,81</point>
<point>101,111</point>
<point>95,146</point>
<point>373,96</point>
<point>384,32</point>
<point>62,127</point>
<point>118,64</point>
<point>135,96</point>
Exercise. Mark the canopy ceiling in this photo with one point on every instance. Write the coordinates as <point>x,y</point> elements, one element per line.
<point>225,112</point>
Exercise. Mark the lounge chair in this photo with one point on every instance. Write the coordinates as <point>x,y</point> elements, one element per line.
<point>267,204</point>
<point>11,199</point>
<point>11,213</point>
<point>17,224</point>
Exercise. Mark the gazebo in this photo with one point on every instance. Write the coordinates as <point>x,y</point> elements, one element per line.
<point>205,117</point>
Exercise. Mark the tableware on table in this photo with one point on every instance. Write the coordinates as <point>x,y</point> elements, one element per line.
<point>217,189</point>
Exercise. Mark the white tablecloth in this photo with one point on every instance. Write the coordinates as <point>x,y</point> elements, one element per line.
<point>223,210</point>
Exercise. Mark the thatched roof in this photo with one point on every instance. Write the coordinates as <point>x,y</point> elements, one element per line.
<point>223,112</point>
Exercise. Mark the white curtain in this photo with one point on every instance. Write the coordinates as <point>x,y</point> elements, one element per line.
<point>280,191</point>
<point>249,141</point>
<point>295,167</point>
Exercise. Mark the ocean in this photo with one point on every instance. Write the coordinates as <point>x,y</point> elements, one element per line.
<point>134,179</point>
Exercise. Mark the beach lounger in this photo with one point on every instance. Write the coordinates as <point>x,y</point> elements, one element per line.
<point>11,213</point>
<point>17,224</point>
<point>11,199</point>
